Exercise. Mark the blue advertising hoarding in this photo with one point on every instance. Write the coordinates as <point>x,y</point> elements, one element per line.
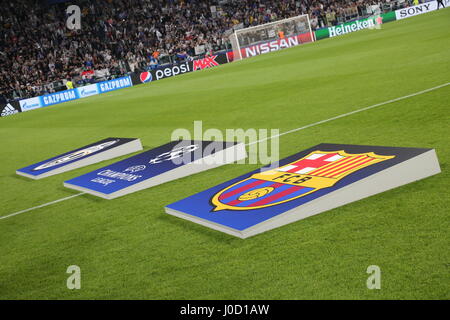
<point>73,94</point>
<point>115,84</point>
<point>30,104</point>
<point>58,97</point>
<point>87,91</point>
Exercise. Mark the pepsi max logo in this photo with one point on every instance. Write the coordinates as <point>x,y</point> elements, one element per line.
<point>146,77</point>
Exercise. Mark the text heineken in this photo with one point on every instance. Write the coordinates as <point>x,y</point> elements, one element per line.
<point>351,27</point>
<point>368,23</point>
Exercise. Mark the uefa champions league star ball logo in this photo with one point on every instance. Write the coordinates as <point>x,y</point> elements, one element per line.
<point>174,153</point>
<point>75,155</point>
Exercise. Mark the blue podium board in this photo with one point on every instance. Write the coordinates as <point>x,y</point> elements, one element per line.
<point>105,149</point>
<point>307,183</point>
<point>168,162</point>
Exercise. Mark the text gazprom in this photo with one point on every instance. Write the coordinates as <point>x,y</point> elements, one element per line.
<point>115,84</point>
<point>59,97</point>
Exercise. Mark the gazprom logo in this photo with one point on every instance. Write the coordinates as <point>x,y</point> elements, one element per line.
<point>146,77</point>
<point>29,104</point>
<point>115,84</point>
<point>88,91</point>
<point>59,97</point>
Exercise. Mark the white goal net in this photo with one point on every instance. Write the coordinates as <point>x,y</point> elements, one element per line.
<point>271,36</point>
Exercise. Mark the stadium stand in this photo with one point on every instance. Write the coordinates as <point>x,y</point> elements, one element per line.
<point>38,53</point>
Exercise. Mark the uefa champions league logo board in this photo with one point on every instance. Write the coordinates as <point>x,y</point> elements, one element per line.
<point>307,183</point>
<point>168,162</point>
<point>93,153</point>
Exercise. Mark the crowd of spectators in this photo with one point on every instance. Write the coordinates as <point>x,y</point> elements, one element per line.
<point>38,52</point>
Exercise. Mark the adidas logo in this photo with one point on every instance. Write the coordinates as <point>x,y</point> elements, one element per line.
<point>8,110</point>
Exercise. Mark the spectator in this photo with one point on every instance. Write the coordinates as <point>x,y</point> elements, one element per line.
<point>153,63</point>
<point>88,75</point>
<point>120,35</point>
<point>69,84</point>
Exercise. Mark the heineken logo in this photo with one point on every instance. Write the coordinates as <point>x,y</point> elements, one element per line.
<point>354,26</point>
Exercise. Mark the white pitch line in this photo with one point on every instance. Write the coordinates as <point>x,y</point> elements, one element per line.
<point>41,206</point>
<point>271,137</point>
<point>352,112</point>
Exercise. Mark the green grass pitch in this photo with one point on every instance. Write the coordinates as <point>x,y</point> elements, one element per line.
<point>130,248</point>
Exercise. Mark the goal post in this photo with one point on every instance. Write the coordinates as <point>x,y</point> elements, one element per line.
<point>271,36</point>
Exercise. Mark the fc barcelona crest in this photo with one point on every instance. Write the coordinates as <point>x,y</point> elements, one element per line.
<point>307,183</point>
<point>317,170</point>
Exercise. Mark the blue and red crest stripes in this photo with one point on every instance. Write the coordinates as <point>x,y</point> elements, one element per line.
<point>252,193</point>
